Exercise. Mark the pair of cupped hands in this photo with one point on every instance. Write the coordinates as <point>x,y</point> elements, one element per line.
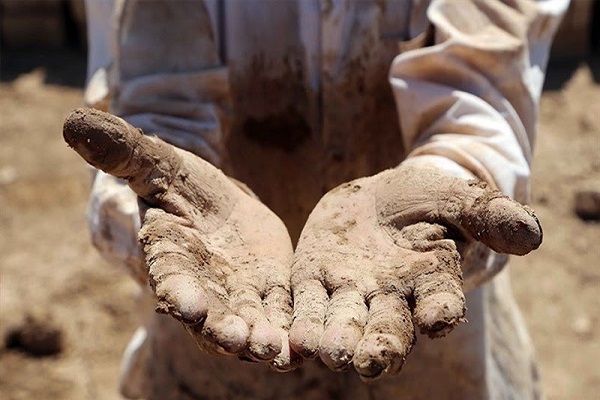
<point>377,257</point>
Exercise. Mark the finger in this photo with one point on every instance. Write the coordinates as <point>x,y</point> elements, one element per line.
<point>264,342</point>
<point>178,270</point>
<point>439,299</point>
<point>278,306</point>
<point>117,148</point>
<point>388,337</point>
<point>310,304</point>
<point>344,322</point>
<point>278,309</point>
<point>485,214</point>
<point>172,268</point>
<point>222,332</point>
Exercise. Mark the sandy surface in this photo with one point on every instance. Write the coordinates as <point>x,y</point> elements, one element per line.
<point>49,269</point>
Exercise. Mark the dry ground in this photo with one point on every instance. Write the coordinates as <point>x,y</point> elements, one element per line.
<point>48,267</point>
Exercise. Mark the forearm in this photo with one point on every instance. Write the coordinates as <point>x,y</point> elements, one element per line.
<point>468,102</point>
<point>472,96</point>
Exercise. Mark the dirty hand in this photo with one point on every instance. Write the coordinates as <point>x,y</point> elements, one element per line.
<point>218,259</point>
<point>380,253</point>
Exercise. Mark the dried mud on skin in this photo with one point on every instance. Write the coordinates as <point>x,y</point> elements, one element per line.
<point>45,188</point>
<point>208,264</point>
<point>379,253</point>
<point>190,194</point>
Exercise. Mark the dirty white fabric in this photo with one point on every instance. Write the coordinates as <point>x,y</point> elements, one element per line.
<point>466,77</point>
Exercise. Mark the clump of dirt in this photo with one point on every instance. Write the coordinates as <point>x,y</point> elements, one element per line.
<point>37,335</point>
<point>587,204</point>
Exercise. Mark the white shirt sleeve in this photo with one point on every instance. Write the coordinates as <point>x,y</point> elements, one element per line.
<point>158,65</point>
<point>470,99</point>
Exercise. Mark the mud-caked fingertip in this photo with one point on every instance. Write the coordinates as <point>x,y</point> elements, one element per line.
<point>439,313</point>
<point>182,298</point>
<point>264,342</point>
<point>377,354</point>
<point>229,333</point>
<point>510,228</point>
<point>337,345</point>
<point>304,338</point>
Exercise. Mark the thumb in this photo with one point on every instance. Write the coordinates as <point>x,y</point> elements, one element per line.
<point>117,148</point>
<point>487,215</point>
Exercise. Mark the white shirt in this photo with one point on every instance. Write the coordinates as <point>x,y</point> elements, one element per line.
<point>320,92</point>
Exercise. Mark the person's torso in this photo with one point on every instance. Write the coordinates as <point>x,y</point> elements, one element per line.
<point>313,107</point>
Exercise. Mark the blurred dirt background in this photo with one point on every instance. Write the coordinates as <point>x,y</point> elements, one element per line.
<point>66,316</point>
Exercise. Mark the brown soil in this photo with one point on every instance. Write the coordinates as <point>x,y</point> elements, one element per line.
<point>47,261</point>
<point>37,335</point>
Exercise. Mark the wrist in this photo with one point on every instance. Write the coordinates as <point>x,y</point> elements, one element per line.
<point>441,163</point>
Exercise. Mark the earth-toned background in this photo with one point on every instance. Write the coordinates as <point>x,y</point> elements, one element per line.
<point>58,296</point>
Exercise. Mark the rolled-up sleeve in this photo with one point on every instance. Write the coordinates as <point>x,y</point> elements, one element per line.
<point>168,77</point>
<point>468,101</point>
